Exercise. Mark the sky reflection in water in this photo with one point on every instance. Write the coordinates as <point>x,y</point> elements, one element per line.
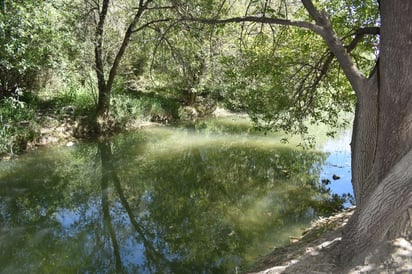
<point>162,201</point>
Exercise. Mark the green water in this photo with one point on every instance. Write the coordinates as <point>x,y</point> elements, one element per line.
<point>203,199</point>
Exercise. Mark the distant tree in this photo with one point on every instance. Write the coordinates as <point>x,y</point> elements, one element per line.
<point>151,20</point>
<point>125,20</point>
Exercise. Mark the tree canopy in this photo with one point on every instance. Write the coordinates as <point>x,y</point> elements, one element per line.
<point>282,76</point>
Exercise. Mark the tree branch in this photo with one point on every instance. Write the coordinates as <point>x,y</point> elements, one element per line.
<point>160,40</point>
<point>267,20</point>
<point>354,75</point>
<point>316,15</point>
<point>359,34</point>
<point>126,39</point>
<point>151,23</point>
<point>322,27</point>
<point>311,79</point>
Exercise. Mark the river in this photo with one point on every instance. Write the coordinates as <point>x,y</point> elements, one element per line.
<point>205,198</point>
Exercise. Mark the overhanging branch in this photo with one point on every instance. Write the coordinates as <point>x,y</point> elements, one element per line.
<point>359,34</point>
<point>316,15</point>
<point>151,23</point>
<point>266,20</point>
<point>335,44</point>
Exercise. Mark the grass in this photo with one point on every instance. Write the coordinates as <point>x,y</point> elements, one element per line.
<point>73,98</point>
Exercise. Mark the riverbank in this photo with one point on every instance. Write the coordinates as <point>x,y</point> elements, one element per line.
<point>66,129</point>
<point>313,252</point>
<point>323,233</point>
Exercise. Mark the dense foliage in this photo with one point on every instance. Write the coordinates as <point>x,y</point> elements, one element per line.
<point>29,44</point>
<point>283,77</point>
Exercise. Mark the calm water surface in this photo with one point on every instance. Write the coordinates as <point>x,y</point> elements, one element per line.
<point>208,198</point>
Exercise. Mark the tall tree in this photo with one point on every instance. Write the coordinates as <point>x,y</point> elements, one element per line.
<point>381,141</point>
<point>153,20</point>
<point>105,84</point>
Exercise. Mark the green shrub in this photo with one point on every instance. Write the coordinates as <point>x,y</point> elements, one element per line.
<point>17,126</point>
<point>73,96</point>
<point>126,107</point>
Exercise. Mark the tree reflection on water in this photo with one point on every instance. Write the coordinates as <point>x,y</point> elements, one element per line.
<point>140,203</point>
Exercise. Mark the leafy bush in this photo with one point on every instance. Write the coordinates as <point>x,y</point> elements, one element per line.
<point>127,107</point>
<point>73,97</point>
<point>17,126</point>
<point>28,43</point>
<point>124,108</point>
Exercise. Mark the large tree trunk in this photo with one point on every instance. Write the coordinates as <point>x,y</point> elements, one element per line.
<point>103,103</point>
<point>105,86</point>
<point>104,91</point>
<point>382,141</point>
<point>364,134</point>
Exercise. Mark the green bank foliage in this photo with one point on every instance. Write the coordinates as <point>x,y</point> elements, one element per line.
<point>30,44</point>
<point>17,126</point>
<point>283,77</point>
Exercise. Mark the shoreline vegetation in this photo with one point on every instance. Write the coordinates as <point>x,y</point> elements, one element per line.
<point>33,121</point>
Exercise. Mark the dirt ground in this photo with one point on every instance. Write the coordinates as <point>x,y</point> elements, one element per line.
<point>312,252</point>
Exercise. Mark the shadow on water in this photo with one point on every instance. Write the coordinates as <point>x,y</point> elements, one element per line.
<point>158,201</point>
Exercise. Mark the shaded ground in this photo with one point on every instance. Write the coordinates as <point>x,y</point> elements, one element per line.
<point>314,252</point>
<point>322,233</point>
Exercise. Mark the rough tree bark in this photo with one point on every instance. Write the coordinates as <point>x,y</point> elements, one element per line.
<point>382,132</point>
<point>103,97</point>
<point>105,85</point>
<point>382,176</point>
